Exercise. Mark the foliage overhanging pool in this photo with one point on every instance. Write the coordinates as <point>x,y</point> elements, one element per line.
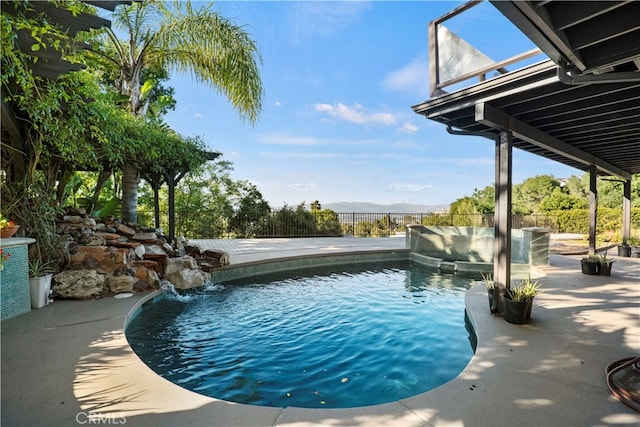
<point>330,337</point>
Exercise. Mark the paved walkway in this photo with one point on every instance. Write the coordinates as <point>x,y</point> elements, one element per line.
<point>69,363</point>
<point>250,250</point>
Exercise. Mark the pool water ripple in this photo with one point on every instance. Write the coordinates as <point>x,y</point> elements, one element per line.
<point>364,336</point>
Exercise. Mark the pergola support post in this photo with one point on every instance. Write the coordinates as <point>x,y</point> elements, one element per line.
<point>155,180</point>
<point>626,211</point>
<point>171,184</point>
<point>172,178</point>
<point>156,207</point>
<point>593,208</point>
<point>502,243</point>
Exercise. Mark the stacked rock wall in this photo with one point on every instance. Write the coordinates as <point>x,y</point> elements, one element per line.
<point>106,256</point>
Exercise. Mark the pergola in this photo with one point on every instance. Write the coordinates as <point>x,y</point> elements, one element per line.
<point>581,107</point>
<point>51,65</point>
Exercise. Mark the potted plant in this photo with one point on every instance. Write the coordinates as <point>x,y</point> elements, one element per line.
<point>518,301</point>
<point>40,275</point>
<point>634,245</point>
<point>492,292</point>
<point>624,250</point>
<point>590,264</point>
<point>604,265</point>
<point>7,227</point>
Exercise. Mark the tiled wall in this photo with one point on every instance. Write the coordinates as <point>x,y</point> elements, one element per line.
<point>15,297</point>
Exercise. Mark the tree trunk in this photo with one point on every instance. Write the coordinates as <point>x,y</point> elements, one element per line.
<point>62,184</point>
<point>130,179</point>
<point>102,180</point>
<point>130,174</point>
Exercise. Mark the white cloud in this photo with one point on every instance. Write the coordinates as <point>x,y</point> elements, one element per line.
<point>394,156</point>
<point>459,162</point>
<point>477,161</point>
<point>278,104</point>
<point>302,186</point>
<point>409,187</point>
<point>198,116</point>
<point>282,139</point>
<point>323,19</point>
<point>276,138</point>
<point>356,114</point>
<point>302,156</point>
<point>408,128</point>
<point>412,79</point>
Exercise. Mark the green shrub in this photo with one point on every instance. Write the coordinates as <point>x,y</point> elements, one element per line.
<point>609,220</point>
<point>327,223</point>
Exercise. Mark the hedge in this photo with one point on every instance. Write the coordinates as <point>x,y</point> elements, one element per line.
<point>577,220</point>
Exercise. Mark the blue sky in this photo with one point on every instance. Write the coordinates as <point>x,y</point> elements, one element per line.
<point>340,79</point>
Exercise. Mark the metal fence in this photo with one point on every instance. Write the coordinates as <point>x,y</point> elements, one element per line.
<point>386,224</point>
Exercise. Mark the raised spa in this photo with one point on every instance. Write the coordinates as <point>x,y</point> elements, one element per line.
<point>325,337</point>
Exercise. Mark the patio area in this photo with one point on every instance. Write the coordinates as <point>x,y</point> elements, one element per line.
<point>69,363</point>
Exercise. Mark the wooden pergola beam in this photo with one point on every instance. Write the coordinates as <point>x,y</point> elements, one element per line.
<point>497,119</point>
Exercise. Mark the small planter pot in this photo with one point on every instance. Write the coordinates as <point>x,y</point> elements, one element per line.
<point>635,252</point>
<point>40,288</point>
<point>517,313</point>
<point>495,303</point>
<point>589,267</point>
<point>624,251</point>
<point>7,232</point>
<point>604,268</point>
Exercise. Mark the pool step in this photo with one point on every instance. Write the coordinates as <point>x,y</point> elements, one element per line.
<point>448,267</point>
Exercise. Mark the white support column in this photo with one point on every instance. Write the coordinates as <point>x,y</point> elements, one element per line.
<point>593,208</point>
<point>502,248</point>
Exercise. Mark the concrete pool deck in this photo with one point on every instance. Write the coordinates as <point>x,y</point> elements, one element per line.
<point>69,363</point>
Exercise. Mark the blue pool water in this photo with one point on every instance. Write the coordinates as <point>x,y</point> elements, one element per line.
<point>334,337</point>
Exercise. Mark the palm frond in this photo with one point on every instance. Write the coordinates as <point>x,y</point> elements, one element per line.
<point>215,51</point>
<point>140,21</point>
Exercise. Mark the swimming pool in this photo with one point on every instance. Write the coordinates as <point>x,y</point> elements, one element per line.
<point>330,337</point>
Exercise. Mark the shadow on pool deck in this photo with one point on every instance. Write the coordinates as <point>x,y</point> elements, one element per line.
<point>69,363</point>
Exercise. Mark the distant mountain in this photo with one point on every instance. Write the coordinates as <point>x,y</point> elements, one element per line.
<point>361,207</point>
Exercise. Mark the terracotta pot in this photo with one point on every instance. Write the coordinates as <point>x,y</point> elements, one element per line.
<point>7,232</point>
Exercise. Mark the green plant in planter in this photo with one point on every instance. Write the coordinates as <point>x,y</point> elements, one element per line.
<point>590,264</point>
<point>40,275</point>
<point>634,246</point>
<point>493,293</point>
<point>603,258</point>
<point>37,268</point>
<point>604,264</point>
<point>525,290</point>
<point>624,249</point>
<point>488,281</point>
<point>518,301</point>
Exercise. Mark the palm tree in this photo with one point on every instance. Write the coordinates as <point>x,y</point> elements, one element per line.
<point>181,38</point>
